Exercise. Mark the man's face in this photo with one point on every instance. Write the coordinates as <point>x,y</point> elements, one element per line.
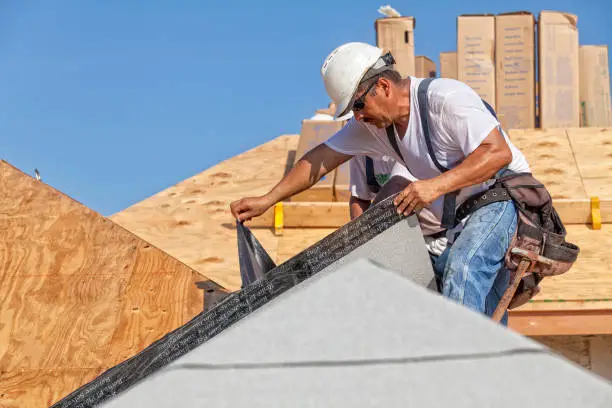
<point>372,105</point>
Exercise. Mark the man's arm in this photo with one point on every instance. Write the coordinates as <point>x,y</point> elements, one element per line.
<point>357,206</point>
<point>306,172</point>
<point>479,166</point>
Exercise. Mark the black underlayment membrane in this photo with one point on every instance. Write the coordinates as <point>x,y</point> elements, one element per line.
<point>235,306</point>
<point>253,259</point>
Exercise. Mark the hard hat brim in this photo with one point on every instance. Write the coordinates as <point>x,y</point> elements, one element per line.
<point>346,116</point>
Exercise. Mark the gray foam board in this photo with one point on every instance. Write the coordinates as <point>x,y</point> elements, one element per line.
<point>362,336</point>
<point>400,248</point>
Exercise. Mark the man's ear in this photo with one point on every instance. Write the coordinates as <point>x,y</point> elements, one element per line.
<point>386,86</point>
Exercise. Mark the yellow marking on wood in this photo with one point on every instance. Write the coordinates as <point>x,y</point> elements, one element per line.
<point>278,219</point>
<point>595,213</point>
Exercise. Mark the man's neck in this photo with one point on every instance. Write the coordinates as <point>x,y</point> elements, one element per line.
<point>403,103</point>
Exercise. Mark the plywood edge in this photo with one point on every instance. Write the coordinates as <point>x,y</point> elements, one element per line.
<point>568,317</point>
<point>566,306</point>
<point>561,322</point>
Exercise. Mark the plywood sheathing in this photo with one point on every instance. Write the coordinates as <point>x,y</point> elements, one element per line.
<point>78,293</point>
<point>173,221</point>
<point>550,156</point>
<point>590,277</point>
<point>192,221</point>
<point>593,151</point>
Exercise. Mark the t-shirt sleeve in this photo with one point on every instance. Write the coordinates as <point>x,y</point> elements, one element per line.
<point>466,119</point>
<point>358,184</point>
<point>353,139</point>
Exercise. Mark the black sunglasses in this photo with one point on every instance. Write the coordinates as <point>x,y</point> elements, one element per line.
<point>359,103</point>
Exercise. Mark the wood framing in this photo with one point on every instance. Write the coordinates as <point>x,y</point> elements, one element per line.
<point>335,214</point>
<point>562,322</point>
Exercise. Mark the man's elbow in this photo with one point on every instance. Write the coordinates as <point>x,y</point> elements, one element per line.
<point>499,155</point>
<point>505,156</point>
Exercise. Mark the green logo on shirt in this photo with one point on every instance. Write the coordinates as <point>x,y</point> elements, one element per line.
<point>382,179</point>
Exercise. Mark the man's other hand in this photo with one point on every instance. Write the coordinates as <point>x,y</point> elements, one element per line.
<point>249,207</point>
<point>416,196</point>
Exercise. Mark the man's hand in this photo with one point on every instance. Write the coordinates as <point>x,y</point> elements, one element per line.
<point>416,196</point>
<point>357,206</point>
<point>249,207</point>
<point>307,171</point>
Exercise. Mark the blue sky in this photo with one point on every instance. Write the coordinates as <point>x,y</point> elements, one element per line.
<point>114,101</point>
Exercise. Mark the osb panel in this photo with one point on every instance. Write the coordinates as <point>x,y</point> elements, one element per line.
<point>551,159</point>
<point>599,187</point>
<point>192,221</point>
<point>593,150</point>
<point>41,388</point>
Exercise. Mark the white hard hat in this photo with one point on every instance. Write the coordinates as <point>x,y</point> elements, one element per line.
<point>343,70</point>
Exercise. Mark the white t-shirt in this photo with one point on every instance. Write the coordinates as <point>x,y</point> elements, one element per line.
<point>383,170</point>
<point>359,181</point>
<point>458,123</point>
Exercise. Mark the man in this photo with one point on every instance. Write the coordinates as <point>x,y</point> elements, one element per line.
<point>467,149</point>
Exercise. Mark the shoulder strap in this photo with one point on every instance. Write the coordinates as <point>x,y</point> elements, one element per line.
<point>450,199</point>
<point>371,179</point>
<point>423,109</point>
<point>489,108</point>
<point>393,141</point>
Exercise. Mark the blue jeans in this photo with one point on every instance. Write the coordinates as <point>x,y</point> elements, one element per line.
<point>471,271</point>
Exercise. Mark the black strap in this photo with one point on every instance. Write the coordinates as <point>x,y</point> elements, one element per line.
<point>494,194</point>
<point>450,199</point>
<point>372,183</point>
<point>391,136</point>
<point>489,108</point>
<point>423,109</point>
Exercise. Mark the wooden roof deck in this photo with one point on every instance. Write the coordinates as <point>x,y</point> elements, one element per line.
<point>81,292</point>
<point>78,293</point>
<point>191,221</point>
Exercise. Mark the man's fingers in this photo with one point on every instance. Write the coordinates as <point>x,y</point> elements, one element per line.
<point>410,208</point>
<point>238,209</point>
<point>404,204</point>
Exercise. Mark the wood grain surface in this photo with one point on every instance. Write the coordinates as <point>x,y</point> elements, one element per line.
<point>550,156</point>
<point>78,293</point>
<point>548,151</point>
<point>192,220</point>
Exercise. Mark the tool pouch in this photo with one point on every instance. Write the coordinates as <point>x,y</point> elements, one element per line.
<point>539,229</point>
